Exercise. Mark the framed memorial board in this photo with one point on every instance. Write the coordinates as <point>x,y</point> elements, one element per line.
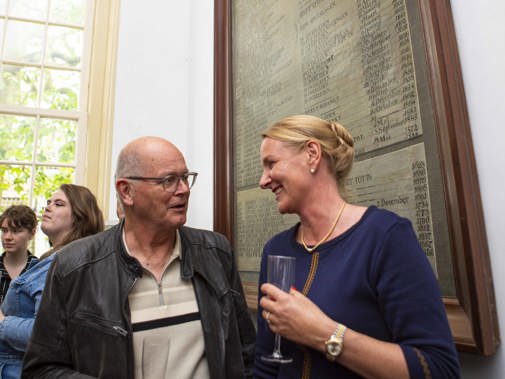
<point>389,71</point>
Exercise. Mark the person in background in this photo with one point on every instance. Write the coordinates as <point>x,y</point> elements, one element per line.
<point>71,213</point>
<point>149,297</point>
<point>366,303</point>
<point>18,224</point>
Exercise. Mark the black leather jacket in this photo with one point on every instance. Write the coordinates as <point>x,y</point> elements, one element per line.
<point>83,327</point>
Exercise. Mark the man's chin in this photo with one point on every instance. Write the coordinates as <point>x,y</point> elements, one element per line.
<point>178,221</point>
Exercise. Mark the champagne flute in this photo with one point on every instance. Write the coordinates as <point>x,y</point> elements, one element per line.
<point>281,273</point>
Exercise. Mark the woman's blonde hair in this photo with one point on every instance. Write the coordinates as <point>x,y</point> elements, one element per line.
<point>336,142</point>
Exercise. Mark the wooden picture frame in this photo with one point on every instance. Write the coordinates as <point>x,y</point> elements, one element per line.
<point>471,312</point>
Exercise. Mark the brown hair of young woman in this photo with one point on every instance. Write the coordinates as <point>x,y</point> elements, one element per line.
<point>20,216</point>
<point>87,218</point>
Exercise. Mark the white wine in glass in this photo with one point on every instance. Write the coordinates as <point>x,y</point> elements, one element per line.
<point>281,273</point>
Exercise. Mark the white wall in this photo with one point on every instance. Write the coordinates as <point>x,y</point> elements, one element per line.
<point>480,30</point>
<point>164,87</point>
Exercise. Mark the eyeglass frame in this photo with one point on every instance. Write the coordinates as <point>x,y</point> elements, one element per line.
<point>162,180</point>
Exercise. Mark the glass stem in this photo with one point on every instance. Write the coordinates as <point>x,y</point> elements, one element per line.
<point>277,346</point>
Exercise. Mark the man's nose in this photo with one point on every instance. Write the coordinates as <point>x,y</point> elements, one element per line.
<point>182,186</point>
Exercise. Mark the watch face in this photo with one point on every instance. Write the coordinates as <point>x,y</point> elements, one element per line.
<point>334,347</point>
<point>335,343</point>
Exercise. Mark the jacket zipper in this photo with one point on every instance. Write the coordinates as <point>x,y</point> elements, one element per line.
<point>120,330</point>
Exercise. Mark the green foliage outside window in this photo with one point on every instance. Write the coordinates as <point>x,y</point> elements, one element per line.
<point>30,143</point>
<point>41,47</point>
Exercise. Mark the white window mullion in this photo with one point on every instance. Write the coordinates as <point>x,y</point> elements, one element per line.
<point>82,130</point>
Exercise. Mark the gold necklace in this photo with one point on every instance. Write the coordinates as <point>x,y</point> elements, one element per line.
<point>311,249</point>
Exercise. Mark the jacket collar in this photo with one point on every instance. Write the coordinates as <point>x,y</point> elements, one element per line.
<point>191,262</point>
<point>195,262</point>
<point>187,264</point>
<point>131,263</point>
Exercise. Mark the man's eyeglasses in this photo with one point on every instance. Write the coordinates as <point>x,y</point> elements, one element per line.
<point>170,183</point>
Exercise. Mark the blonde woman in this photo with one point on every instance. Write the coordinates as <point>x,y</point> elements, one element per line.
<point>366,303</point>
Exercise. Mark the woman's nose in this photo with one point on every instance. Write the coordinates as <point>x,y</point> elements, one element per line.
<point>264,180</point>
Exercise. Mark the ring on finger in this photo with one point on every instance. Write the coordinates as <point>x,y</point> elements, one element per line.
<point>267,316</point>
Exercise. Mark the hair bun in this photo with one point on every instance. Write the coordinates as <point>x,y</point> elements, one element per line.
<point>343,136</point>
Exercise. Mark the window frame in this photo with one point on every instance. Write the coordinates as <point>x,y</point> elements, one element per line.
<point>99,117</point>
<point>95,116</point>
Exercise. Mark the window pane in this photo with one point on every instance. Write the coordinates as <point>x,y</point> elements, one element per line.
<point>15,184</point>
<point>41,55</point>
<point>47,180</point>
<point>57,140</point>
<point>16,137</point>
<point>61,90</point>
<point>33,9</point>
<point>64,46</point>
<point>24,42</point>
<point>68,11</point>
<point>20,85</point>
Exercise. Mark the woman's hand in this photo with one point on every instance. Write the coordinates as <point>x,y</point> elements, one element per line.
<point>2,316</point>
<point>295,317</point>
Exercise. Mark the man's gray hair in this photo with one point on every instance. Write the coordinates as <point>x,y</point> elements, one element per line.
<point>128,163</point>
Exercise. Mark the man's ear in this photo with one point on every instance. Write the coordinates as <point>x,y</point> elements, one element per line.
<point>125,191</point>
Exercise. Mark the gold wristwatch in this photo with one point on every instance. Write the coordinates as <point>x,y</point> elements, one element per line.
<point>335,343</point>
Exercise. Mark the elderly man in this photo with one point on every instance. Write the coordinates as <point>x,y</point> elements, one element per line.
<point>148,298</point>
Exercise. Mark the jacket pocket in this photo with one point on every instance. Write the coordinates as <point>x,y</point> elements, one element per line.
<point>85,320</point>
<point>95,342</point>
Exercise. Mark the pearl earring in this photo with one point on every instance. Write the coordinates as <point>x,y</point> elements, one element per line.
<point>312,170</point>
